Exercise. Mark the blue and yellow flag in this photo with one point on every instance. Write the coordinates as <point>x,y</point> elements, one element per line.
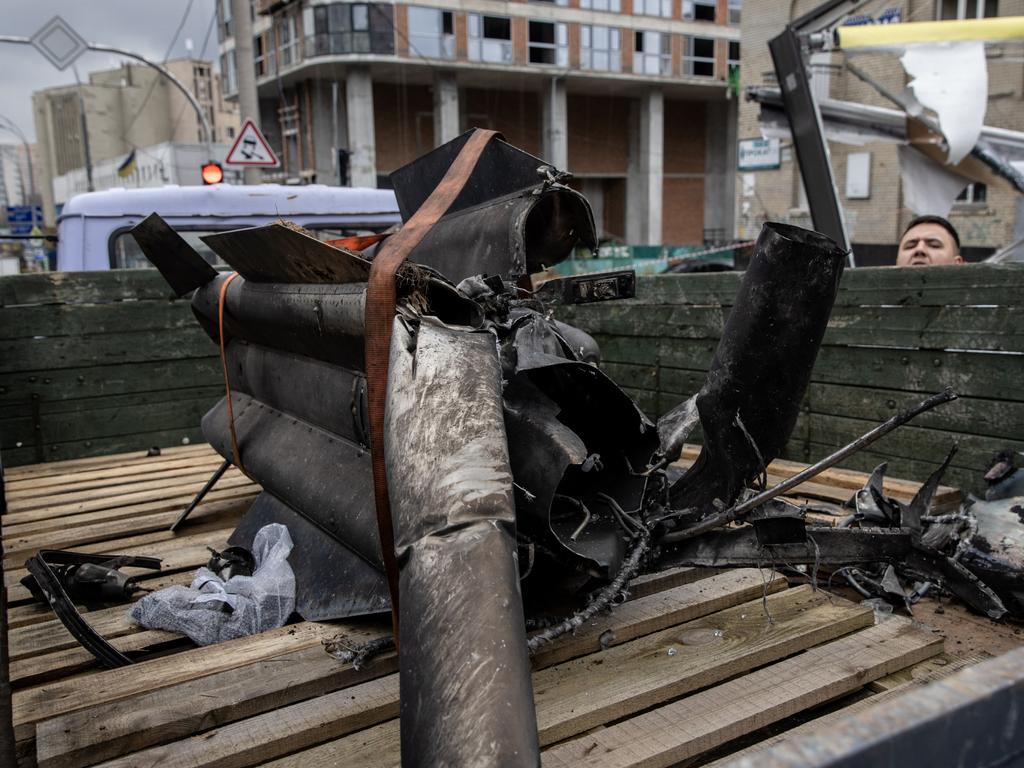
<point>124,170</point>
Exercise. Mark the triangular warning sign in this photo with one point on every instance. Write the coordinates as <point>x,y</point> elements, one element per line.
<point>250,148</point>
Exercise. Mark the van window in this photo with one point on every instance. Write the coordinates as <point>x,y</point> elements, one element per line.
<point>126,254</point>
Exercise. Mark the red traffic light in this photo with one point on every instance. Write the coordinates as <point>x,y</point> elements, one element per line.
<point>212,173</point>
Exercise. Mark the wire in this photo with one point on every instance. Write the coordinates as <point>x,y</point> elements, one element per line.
<point>202,57</point>
<point>152,84</point>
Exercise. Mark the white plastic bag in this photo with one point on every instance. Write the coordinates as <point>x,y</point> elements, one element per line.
<point>212,610</point>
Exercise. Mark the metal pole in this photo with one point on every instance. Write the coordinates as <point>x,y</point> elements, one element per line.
<point>245,67</point>
<point>99,48</point>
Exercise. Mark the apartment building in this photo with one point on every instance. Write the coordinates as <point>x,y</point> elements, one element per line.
<point>132,107</point>
<point>868,177</point>
<point>631,96</point>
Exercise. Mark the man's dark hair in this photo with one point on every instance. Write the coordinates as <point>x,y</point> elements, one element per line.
<point>934,220</point>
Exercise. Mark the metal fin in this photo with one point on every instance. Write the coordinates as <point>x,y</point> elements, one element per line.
<point>277,253</point>
<point>182,268</point>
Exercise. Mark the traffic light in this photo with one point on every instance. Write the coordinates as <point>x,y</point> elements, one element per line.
<point>212,173</point>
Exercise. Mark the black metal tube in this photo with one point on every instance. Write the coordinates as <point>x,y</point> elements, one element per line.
<point>750,401</point>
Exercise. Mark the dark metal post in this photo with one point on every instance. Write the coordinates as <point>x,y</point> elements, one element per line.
<point>808,137</point>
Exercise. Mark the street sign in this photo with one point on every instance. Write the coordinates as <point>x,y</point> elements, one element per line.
<point>250,148</point>
<point>21,218</point>
<point>59,43</point>
<point>759,154</point>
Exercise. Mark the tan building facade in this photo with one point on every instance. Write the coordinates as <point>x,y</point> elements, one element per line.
<point>126,108</point>
<point>987,218</point>
<point>631,96</point>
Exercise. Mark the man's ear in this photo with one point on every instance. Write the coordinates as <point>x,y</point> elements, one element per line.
<point>959,259</point>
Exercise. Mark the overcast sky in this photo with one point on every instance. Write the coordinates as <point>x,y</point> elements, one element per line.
<point>142,26</point>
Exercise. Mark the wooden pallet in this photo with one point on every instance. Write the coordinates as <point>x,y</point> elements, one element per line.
<point>694,660</point>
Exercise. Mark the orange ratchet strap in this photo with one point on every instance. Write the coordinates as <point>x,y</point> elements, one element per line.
<point>235,454</point>
<point>380,314</point>
<point>357,242</point>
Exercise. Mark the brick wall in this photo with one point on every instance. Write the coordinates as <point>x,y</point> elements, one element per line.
<point>598,129</point>
<point>404,125</point>
<point>515,114</point>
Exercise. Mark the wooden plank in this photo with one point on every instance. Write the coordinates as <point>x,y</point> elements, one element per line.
<point>83,287</point>
<point>96,418</point>
<point>49,700</point>
<point>166,496</point>
<point>937,328</point>
<point>152,718</point>
<point>979,284</point>
<point>712,717</point>
<point>117,461</point>
<point>44,354</point>
<point>28,490</point>
<point>63,663</point>
<point>106,379</point>
<point>90,319</point>
<point>170,482</point>
<point>889,687</point>
<point>576,696</point>
<point>997,418</point>
<point>227,509</point>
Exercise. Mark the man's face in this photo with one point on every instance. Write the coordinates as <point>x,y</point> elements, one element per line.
<point>927,244</point>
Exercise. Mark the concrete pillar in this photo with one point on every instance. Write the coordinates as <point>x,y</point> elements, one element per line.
<point>555,124</point>
<point>248,102</point>
<point>646,169</point>
<point>446,108</point>
<point>362,144</point>
<point>720,169</point>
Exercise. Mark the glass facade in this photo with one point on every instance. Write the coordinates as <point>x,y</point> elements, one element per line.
<point>601,48</point>
<point>341,28</point>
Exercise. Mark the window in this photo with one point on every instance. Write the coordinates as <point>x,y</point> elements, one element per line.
<point>228,72</point>
<point>734,53</point>
<point>225,28</point>
<point>975,194</point>
<point>698,56</point>
<point>612,6</point>
<point>490,39</point>
<point>735,12</point>
<point>261,56</point>
<point>653,7</point>
<point>553,2</point>
<point>968,9</point>
<point>699,10</point>
<point>601,48</point>
<point>287,40</point>
<point>340,28</point>
<point>651,53</point>
<point>431,33</point>
<point>548,43</point>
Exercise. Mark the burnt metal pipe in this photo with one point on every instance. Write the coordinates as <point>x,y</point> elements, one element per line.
<point>467,697</point>
<point>750,400</point>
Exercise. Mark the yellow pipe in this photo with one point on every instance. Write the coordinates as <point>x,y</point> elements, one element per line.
<point>879,35</point>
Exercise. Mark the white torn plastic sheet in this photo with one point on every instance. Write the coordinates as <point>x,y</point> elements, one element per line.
<point>928,188</point>
<point>212,610</point>
<point>951,80</point>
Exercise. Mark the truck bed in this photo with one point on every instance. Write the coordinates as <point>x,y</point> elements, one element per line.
<point>696,667</point>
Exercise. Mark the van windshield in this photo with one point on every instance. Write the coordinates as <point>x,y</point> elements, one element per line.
<point>126,254</point>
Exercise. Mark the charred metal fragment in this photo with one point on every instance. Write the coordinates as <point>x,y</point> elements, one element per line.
<point>461,610</point>
<point>750,400</point>
<point>179,264</point>
<point>823,545</point>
